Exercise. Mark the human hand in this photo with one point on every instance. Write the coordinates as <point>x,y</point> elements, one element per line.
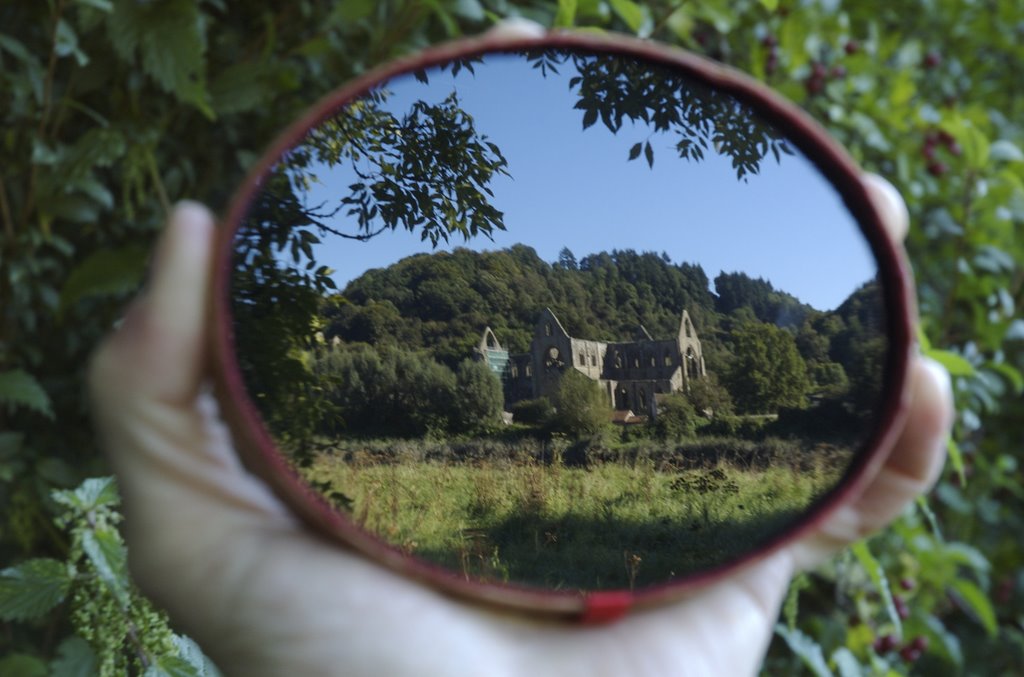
<point>265,596</point>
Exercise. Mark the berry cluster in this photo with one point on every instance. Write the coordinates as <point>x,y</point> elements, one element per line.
<point>820,71</point>
<point>910,652</point>
<point>935,140</point>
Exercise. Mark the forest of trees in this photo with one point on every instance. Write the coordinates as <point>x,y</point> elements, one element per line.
<point>394,351</point>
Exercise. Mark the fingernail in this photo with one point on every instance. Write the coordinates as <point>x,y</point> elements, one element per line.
<point>517,27</point>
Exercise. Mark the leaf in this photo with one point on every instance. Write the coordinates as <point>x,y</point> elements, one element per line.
<point>975,147</point>
<point>19,388</point>
<point>1012,375</point>
<point>10,449</point>
<point>589,118</point>
<point>171,666</point>
<point>630,12</point>
<point>190,652</point>
<point>32,588</point>
<point>75,658</point>
<point>65,40</point>
<point>649,154</point>
<point>806,649</point>
<point>468,9</point>
<point>929,515</point>
<point>350,11</point>
<point>102,5</point>
<point>1006,151</point>
<point>93,493</point>
<point>22,665</point>
<point>240,87</point>
<point>877,576</point>
<point>107,272</point>
<point>994,260</point>
<point>107,555</point>
<point>634,152</point>
<point>945,643</point>
<point>17,49</point>
<point>977,604</point>
<point>168,36</point>
<point>954,364</point>
<point>770,5</point>
<point>956,458</point>
<point>846,663</point>
<point>791,606</point>
<point>565,17</point>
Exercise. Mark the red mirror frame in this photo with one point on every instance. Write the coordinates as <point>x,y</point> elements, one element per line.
<point>259,453</point>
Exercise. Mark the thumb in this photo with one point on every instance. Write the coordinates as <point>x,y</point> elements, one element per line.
<point>158,351</point>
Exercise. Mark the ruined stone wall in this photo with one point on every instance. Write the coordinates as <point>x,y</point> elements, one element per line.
<point>631,373</point>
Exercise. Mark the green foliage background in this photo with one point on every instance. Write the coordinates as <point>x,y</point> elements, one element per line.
<point>112,109</point>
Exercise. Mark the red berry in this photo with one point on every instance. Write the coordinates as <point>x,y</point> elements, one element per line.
<point>932,59</point>
<point>920,643</point>
<point>851,47</point>
<point>907,583</point>
<point>909,654</point>
<point>945,137</point>
<point>769,40</point>
<point>902,610</point>
<point>937,169</point>
<point>818,69</point>
<point>928,151</point>
<point>838,72</point>
<point>955,149</point>
<point>814,85</point>
<point>884,644</point>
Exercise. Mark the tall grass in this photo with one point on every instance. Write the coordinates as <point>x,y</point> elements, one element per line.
<point>629,518</point>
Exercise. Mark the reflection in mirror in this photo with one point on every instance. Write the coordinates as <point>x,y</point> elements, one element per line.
<point>559,319</point>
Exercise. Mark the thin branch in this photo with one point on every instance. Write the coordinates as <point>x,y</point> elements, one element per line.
<point>161,191</point>
<point>348,236</point>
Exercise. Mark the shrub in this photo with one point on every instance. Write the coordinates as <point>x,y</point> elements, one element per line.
<point>533,412</point>
<point>676,419</point>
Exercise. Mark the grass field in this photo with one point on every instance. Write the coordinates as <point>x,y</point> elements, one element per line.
<point>628,521</point>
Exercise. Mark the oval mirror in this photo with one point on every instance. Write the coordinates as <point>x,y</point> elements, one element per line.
<point>566,324</point>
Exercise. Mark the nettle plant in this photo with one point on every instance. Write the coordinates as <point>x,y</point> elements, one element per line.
<point>112,109</point>
<point>114,629</point>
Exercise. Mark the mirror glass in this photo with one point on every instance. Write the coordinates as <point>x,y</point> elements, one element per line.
<point>559,318</point>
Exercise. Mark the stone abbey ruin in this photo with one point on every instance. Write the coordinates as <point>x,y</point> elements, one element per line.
<point>633,374</point>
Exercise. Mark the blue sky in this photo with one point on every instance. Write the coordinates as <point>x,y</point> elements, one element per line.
<point>574,188</point>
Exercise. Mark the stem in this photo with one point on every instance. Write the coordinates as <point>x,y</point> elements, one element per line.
<point>51,69</point>
<point>133,635</point>
<point>161,191</point>
<point>669,11</point>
